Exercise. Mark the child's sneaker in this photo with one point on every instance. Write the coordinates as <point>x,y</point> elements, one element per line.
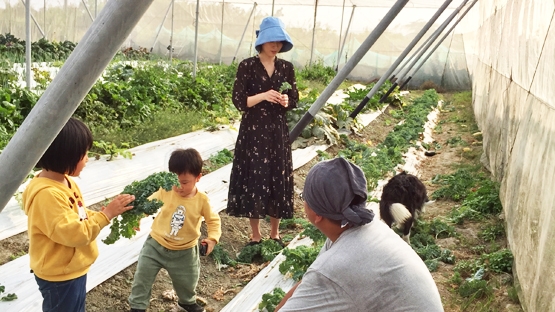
<point>191,307</point>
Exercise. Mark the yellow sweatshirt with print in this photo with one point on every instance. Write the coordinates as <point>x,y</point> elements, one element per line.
<point>62,231</point>
<point>177,224</point>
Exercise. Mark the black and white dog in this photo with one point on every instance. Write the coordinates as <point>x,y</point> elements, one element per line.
<point>403,199</point>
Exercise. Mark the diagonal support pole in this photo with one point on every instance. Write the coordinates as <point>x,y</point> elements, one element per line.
<point>399,59</point>
<point>62,97</point>
<point>342,74</point>
<point>437,45</point>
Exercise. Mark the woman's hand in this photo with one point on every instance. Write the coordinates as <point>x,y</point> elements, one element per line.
<point>284,100</point>
<point>273,96</point>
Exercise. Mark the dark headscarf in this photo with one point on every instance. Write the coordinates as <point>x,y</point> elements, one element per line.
<point>336,189</point>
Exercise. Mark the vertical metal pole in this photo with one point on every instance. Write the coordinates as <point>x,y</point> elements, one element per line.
<point>171,34</point>
<point>313,32</point>
<point>351,63</point>
<point>62,97</point>
<point>399,59</point>
<point>437,44</point>
<point>74,23</point>
<point>44,17</point>
<point>243,35</point>
<point>66,12</point>
<point>161,25</point>
<point>10,15</point>
<point>340,33</point>
<point>27,44</point>
<point>95,8</point>
<point>346,33</point>
<point>222,31</point>
<point>196,41</point>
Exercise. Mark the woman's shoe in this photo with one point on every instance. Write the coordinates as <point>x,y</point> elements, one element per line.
<point>252,243</point>
<point>279,241</point>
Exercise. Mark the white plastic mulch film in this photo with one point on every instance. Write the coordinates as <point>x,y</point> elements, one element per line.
<point>511,57</point>
<point>226,31</point>
<point>504,50</point>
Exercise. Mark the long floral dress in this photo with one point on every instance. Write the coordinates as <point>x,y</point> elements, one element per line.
<point>261,180</point>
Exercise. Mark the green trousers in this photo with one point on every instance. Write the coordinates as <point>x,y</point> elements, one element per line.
<point>183,266</point>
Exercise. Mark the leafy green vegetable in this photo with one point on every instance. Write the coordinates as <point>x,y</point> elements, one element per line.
<point>455,186</point>
<point>313,233</point>
<point>284,87</point>
<point>499,261</point>
<point>111,149</point>
<point>297,261</point>
<point>8,297</point>
<point>221,257</point>
<point>475,288</point>
<point>218,160</point>
<point>127,224</point>
<point>271,300</point>
<point>267,249</point>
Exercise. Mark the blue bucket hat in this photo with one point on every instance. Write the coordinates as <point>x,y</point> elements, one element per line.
<point>272,29</point>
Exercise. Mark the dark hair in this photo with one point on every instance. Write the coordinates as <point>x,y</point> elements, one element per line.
<point>68,148</point>
<point>185,161</point>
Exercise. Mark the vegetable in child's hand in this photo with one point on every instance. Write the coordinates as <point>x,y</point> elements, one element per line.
<point>127,224</point>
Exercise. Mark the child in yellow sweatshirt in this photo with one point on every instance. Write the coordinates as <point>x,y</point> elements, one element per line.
<point>172,243</point>
<point>62,231</point>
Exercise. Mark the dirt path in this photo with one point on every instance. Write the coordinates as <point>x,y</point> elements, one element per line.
<point>217,287</point>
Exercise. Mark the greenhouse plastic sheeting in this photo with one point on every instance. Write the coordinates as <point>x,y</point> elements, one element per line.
<point>511,57</point>
<point>222,25</point>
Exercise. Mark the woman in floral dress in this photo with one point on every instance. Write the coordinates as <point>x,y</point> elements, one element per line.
<point>261,182</point>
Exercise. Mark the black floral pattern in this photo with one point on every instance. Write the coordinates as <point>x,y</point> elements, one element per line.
<point>261,180</point>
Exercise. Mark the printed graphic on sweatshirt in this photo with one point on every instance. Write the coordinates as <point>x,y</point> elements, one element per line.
<point>82,212</point>
<point>80,209</point>
<point>178,218</point>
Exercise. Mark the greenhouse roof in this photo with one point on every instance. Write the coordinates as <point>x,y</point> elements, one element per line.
<point>425,4</point>
<point>359,3</point>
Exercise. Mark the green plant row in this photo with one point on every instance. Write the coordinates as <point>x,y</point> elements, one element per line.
<point>128,96</point>
<point>479,201</point>
<point>334,117</point>
<point>375,162</point>
<point>42,50</point>
<point>479,195</point>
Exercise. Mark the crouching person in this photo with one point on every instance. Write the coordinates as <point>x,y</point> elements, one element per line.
<point>364,265</point>
<point>172,243</point>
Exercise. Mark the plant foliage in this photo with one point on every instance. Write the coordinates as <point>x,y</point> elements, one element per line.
<point>297,261</point>
<point>271,300</point>
<point>7,297</point>
<point>267,250</point>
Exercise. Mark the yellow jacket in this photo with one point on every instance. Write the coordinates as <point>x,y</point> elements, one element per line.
<point>62,231</point>
<point>177,224</point>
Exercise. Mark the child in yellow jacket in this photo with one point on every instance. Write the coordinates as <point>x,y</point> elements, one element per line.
<point>172,243</point>
<point>62,231</point>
